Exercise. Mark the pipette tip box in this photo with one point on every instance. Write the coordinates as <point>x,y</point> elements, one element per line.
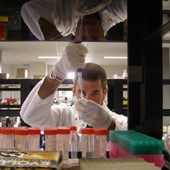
<point>134,144</point>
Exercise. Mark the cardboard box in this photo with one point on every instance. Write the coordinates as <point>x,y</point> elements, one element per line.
<point>38,76</point>
<point>30,160</point>
<point>22,73</point>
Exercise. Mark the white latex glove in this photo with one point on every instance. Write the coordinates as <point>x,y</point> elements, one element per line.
<point>92,113</point>
<point>73,57</point>
<point>86,7</point>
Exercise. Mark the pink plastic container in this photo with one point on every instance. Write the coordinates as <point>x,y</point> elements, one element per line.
<point>118,152</point>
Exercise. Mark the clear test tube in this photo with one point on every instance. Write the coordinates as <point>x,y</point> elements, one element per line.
<point>73,141</point>
<point>63,141</point>
<point>34,139</point>
<point>50,135</point>
<point>7,138</point>
<point>21,135</point>
<point>87,142</point>
<point>100,135</point>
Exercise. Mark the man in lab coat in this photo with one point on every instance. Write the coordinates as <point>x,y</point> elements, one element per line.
<point>89,109</point>
<point>55,19</point>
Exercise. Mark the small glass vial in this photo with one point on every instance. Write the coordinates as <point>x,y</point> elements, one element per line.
<point>73,141</point>
<point>100,135</point>
<point>7,138</point>
<point>63,141</point>
<point>34,139</point>
<point>87,142</point>
<point>50,135</point>
<point>21,135</point>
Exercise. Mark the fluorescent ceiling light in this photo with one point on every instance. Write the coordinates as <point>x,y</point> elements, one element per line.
<point>48,57</point>
<point>115,57</point>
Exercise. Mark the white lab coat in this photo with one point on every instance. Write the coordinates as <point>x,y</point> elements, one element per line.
<point>61,14</point>
<point>42,113</point>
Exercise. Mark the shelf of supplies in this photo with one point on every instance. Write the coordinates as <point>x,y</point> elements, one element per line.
<point>9,113</point>
<point>115,95</point>
<point>10,106</point>
<point>21,86</point>
<point>10,89</point>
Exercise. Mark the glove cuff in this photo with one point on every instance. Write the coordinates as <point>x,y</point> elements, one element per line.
<point>58,72</point>
<point>108,123</point>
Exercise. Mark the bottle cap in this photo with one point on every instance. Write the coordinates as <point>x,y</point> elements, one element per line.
<point>6,130</point>
<point>21,131</point>
<point>100,131</point>
<point>63,130</point>
<point>73,128</point>
<point>34,131</point>
<point>87,130</point>
<point>51,131</point>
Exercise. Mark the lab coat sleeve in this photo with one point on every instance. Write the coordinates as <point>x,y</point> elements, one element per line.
<point>42,113</point>
<point>58,12</point>
<point>31,11</point>
<point>121,120</point>
<point>113,14</point>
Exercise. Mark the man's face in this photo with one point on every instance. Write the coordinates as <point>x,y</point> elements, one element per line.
<point>92,29</point>
<point>92,90</point>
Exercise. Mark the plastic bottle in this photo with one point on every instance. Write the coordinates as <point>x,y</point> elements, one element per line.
<point>87,142</point>
<point>21,134</point>
<point>7,138</point>
<point>73,141</point>
<point>34,139</point>
<point>63,141</point>
<point>50,135</point>
<point>100,135</point>
<point>8,122</point>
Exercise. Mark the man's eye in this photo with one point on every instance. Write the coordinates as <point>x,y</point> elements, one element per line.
<point>95,93</point>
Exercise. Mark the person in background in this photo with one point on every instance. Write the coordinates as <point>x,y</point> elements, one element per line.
<point>65,99</point>
<point>89,110</point>
<point>55,19</point>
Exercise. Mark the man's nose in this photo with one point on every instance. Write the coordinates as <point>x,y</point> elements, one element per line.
<point>87,31</point>
<point>87,96</point>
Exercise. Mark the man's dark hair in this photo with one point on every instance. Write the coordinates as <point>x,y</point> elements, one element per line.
<point>93,72</point>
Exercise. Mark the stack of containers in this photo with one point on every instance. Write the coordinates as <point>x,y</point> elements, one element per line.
<point>50,135</point>
<point>63,141</point>
<point>134,144</point>
<point>7,138</point>
<point>34,139</point>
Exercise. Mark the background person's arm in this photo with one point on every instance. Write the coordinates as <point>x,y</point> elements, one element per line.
<point>49,30</point>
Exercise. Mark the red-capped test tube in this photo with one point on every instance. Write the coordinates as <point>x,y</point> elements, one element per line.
<point>73,141</point>
<point>87,142</point>
<point>63,141</point>
<point>34,139</point>
<point>100,135</point>
<point>50,135</point>
<point>7,138</point>
<point>21,135</point>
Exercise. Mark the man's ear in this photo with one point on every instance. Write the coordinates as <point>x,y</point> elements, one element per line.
<point>106,90</point>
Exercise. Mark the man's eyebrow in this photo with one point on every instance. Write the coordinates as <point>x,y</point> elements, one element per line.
<point>96,90</point>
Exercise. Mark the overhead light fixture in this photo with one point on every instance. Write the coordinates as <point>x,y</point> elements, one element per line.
<point>115,57</point>
<point>48,57</point>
